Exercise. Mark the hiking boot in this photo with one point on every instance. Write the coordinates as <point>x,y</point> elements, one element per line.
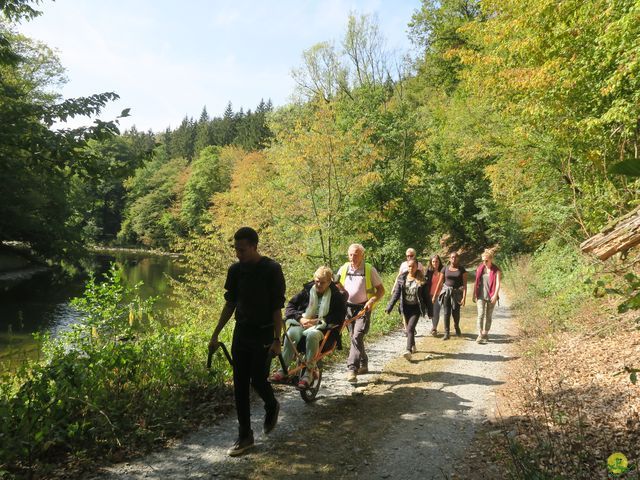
<point>363,371</point>
<point>271,418</point>
<point>446,336</point>
<point>242,445</point>
<point>352,377</point>
<point>479,339</point>
<point>407,355</point>
<point>434,332</point>
<point>458,332</point>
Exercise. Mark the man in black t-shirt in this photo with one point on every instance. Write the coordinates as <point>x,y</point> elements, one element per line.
<point>255,290</point>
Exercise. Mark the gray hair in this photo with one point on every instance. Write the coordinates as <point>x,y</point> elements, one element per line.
<point>356,246</point>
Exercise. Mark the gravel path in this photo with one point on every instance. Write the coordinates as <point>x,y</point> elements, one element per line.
<point>403,420</point>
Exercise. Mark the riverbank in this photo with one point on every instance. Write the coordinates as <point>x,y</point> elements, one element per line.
<point>36,298</point>
<point>18,265</point>
<point>17,261</point>
<point>133,250</point>
<point>16,257</point>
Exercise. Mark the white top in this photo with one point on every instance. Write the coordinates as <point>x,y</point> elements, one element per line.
<point>355,284</point>
<point>404,267</point>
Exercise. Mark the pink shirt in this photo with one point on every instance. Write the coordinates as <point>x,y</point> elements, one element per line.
<point>355,284</point>
<point>434,283</point>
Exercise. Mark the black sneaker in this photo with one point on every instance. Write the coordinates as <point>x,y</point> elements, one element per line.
<point>271,418</point>
<point>446,336</point>
<point>242,445</point>
<point>458,332</point>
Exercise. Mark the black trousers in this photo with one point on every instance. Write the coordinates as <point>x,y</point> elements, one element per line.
<point>251,365</point>
<point>450,311</point>
<point>411,314</point>
<point>435,315</point>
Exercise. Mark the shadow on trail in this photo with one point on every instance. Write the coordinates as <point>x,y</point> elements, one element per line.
<point>493,338</point>
<point>441,378</point>
<point>336,437</point>
<point>479,357</point>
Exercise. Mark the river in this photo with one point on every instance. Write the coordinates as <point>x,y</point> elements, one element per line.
<point>41,302</point>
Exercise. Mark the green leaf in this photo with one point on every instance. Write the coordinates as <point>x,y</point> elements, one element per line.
<point>633,377</point>
<point>630,167</point>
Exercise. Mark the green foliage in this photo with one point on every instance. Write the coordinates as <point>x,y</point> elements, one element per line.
<point>629,167</point>
<point>246,130</point>
<point>558,74</point>
<point>97,198</point>
<point>551,288</point>
<point>210,173</point>
<point>119,379</point>
<point>631,293</point>
<point>154,192</point>
<point>436,27</point>
<point>37,161</point>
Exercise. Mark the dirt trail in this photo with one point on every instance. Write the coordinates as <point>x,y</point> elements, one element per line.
<point>404,420</point>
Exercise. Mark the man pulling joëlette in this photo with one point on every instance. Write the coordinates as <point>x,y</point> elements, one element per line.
<point>364,286</point>
<point>255,289</point>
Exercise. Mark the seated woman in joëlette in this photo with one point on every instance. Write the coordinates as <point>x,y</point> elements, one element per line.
<point>319,306</point>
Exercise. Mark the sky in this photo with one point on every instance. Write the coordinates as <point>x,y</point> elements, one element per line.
<point>168,59</point>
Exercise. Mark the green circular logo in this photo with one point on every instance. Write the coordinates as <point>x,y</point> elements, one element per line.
<point>617,463</point>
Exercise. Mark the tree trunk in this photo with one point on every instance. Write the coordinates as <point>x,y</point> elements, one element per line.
<point>618,236</point>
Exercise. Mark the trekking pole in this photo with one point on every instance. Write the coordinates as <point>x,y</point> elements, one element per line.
<point>284,367</point>
<point>280,358</point>
<point>224,350</point>
<point>357,316</point>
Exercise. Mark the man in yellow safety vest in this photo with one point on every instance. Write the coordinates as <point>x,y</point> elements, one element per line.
<point>364,286</point>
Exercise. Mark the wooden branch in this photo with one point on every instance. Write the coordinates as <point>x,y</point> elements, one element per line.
<point>618,236</point>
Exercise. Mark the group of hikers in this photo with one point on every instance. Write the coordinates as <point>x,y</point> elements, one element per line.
<point>425,292</point>
<point>255,291</point>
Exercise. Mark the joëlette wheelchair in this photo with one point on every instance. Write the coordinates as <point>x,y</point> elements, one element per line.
<point>327,346</point>
<point>293,375</point>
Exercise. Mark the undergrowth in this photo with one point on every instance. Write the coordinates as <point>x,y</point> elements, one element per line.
<point>568,409</point>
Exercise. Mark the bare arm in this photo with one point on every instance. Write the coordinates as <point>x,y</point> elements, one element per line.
<point>464,292</point>
<point>475,293</point>
<point>494,299</point>
<point>378,295</point>
<point>277,332</point>
<point>225,315</point>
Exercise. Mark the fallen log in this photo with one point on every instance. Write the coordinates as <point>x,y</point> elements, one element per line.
<point>619,236</point>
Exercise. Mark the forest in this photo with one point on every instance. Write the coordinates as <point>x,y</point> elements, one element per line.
<point>516,125</point>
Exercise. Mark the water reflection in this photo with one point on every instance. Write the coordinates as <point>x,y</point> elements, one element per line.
<point>41,303</point>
